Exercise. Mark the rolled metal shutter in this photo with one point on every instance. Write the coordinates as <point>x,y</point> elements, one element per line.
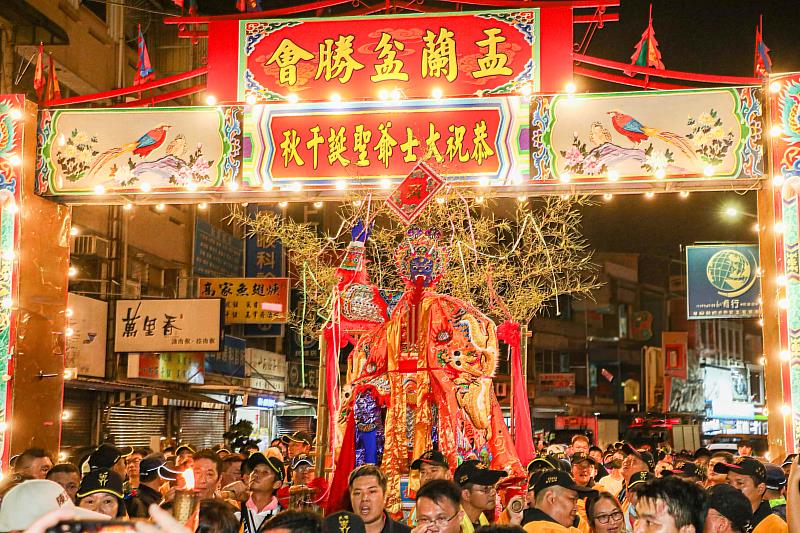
<point>77,428</point>
<point>202,428</point>
<point>290,424</point>
<point>133,426</point>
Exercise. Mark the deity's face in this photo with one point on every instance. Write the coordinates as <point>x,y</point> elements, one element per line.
<point>422,267</point>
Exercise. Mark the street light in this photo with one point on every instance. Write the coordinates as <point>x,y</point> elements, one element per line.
<point>733,212</point>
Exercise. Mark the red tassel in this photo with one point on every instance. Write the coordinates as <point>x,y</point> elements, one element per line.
<point>509,333</point>
<point>339,497</point>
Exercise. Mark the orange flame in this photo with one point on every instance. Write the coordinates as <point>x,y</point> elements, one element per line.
<point>188,477</point>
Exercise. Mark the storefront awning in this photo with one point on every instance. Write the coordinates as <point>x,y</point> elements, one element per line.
<point>128,395</point>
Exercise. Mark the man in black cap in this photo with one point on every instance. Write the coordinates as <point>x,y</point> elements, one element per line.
<point>431,465</point>
<point>478,492</point>
<point>296,443</point>
<point>728,511</point>
<point>266,477</point>
<point>150,482</point>
<point>184,455</point>
<point>584,469</point>
<point>750,476</point>
<point>635,461</point>
<point>111,457</point>
<point>557,497</point>
<point>637,482</point>
<point>776,488</point>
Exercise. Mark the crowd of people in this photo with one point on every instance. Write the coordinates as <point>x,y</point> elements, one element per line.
<point>577,489</point>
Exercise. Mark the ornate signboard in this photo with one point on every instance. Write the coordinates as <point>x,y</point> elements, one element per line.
<point>249,300</point>
<point>710,133</point>
<point>452,54</point>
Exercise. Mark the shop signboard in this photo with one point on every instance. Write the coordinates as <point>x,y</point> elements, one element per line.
<point>86,347</point>
<point>266,370</point>
<point>95,152</point>
<point>249,300</point>
<point>181,325</point>
<point>179,367</point>
<point>264,258</point>
<point>217,253</point>
<point>722,281</point>
<point>703,134</point>
<point>318,145</point>
<point>298,387</point>
<point>229,362</point>
<point>264,402</point>
<point>409,56</point>
<point>556,384</point>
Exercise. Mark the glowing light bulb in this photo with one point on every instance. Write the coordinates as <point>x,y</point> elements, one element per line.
<point>202,206</point>
<point>74,231</point>
<point>684,194</point>
<point>570,88</point>
<point>565,177</point>
<point>4,426</point>
<point>774,87</point>
<point>145,187</point>
<point>283,205</point>
<point>69,332</point>
<point>778,227</point>
<point>72,272</point>
<point>128,206</point>
<point>266,185</point>
<point>12,207</point>
<point>761,322</point>
<point>777,180</point>
<point>357,203</point>
<point>649,195</point>
<point>437,93</point>
<point>15,160</point>
<point>479,199</point>
<point>68,312</point>
<point>526,89</point>
<point>341,185</point>
<point>522,199</point>
<point>99,189</point>
<point>708,170</point>
<point>8,255</point>
<point>731,212</point>
<point>293,98</point>
<point>336,97</point>
<point>386,183</point>
<point>383,94</point>
<point>251,99</point>
<point>786,410</point>
<point>8,303</point>
<point>613,175</point>
<point>233,185</point>
<point>756,227</point>
<point>65,415</point>
<point>660,174</point>
<point>15,114</point>
<point>775,131</point>
<point>397,94</point>
<point>440,200</point>
<point>608,196</point>
<point>785,355</point>
<point>318,205</point>
<point>781,280</point>
<point>483,182</point>
<point>783,303</point>
<point>160,207</point>
<point>191,186</point>
<point>211,99</point>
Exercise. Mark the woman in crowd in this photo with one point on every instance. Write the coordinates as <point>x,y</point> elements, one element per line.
<point>604,514</point>
<point>101,491</point>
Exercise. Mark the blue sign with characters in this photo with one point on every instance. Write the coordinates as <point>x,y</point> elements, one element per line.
<point>722,281</point>
<point>217,253</point>
<point>228,362</point>
<point>263,259</point>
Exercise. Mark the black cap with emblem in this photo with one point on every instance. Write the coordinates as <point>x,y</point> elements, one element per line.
<point>558,478</point>
<point>431,457</point>
<point>343,522</point>
<point>101,480</point>
<point>476,473</point>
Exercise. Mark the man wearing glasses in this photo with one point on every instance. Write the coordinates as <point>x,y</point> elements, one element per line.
<point>439,507</point>
<point>478,492</point>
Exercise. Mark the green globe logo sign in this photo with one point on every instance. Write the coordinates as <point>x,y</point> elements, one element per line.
<point>731,272</point>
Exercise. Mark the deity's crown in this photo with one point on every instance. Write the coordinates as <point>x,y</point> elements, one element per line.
<point>421,254</point>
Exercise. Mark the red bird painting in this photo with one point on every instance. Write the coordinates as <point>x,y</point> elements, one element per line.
<point>142,147</point>
<point>637,132</point>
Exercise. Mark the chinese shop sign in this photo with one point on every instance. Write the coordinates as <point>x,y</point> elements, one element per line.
<point>228,362</point>
<point>264,258</point>
<point>722,281</point>
<point>453,54</point>
<point>249,300</point>
<point>216,251</point>
<point>185,325</point>
<point>180,367</point>
<point>463,140</point>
